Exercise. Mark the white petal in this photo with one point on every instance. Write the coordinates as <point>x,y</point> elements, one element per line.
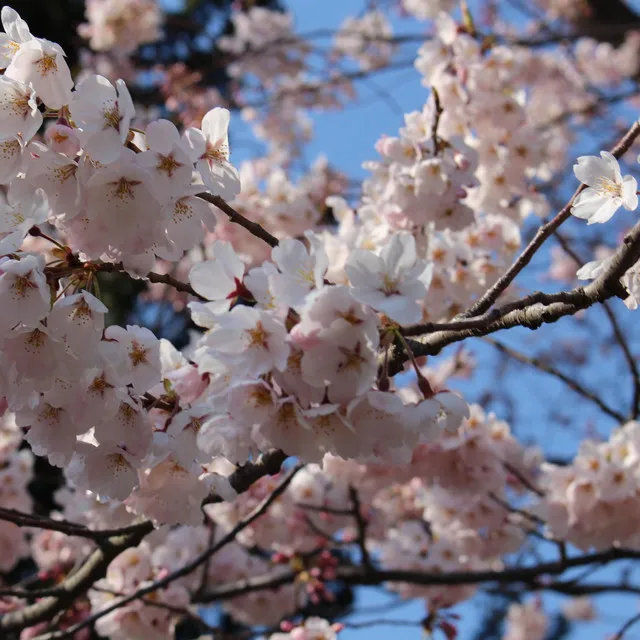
<point>215,124</point>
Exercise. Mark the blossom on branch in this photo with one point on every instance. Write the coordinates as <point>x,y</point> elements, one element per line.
<point>606,190</point>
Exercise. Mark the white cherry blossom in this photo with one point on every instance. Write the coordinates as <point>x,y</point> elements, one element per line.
<point>24,293</point>
<point>19,114</point>
<point>103,114</point>
<point>107,470</point>
<point>18,215</point>
<point>79,320</point>
<point>393,281</point>
<point>607,190</point>
<point>16,32</point>
<point>134,353</point>
<point>42,65</point>
<point>301,270</point>
<point>210,145</point>
<point>218,280</point>
<point>251,342</point>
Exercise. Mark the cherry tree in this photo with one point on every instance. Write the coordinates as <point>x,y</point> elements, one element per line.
<point>349,398</point>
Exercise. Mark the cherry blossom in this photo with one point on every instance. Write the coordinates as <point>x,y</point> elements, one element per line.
<point>16,33</point>
<point>392,282</point>
<point>250,341</point>
<point>210,145</point>
<point>103,114</point>
<point>607,190</point>
<point>291,279</point>
<point>122,24</point>
<point>19,114</point>
<point>41,65</point>
<point>18,215</point>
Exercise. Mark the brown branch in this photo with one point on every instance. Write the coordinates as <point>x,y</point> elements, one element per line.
<point>572,384</point>
<point>252,227</point>
<point>361,525</point>
<point>112,543</point>
<point>185,570</point>
<point>76,584</point>
<point>543,233</point>
<point>69,528</point>
<point>478,322</point>
<point>532,576</point>
<point>156,278</point>
<point>179,611</point>
<point>268,464</point>
<point>630,623</point>
<point>628,356</point>
<point>617,333</point>
<point>534,311</point>
<point>437,114</point>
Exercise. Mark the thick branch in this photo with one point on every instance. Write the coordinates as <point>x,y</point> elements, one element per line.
<point>361,575</point>
<point>112,543</point>
<point>259,510</point>
<point>76,584</point>
<point>543,233</point>
<point>538,309</point>
<point>268,464</point>
<point>69,528</point>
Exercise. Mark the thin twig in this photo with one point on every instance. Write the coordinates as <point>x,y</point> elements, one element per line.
<point>630,623</point>
<point>628,356</point>
<point>567,380</point>
<point>361,525</point>
<point>252,227</point>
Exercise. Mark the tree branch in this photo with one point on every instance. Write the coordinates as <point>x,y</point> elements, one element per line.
<point>76,584</point>
<point>543,233</point>
<point>360,575</point>
<point>535,310</point>
<point>267,464</point>
<point>536,363</point>
<point>361,525</point>
<point>259,510</point>
<point>70,528</point>
<point>252,227</point>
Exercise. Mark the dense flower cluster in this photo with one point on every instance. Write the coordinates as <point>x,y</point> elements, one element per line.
<point>299,324</point>
<point>601,482</point>
<point>121,24</point>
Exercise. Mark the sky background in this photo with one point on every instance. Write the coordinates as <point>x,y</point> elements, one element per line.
<point>347,138</point>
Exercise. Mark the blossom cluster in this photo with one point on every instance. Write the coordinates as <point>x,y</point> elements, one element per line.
<point>591,502</point>
<point>295,334</point>
<point>288,359</point>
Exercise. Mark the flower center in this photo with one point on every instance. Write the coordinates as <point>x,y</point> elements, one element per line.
<point>182,210</point>
<point>23,285</point>
<point>167,164</point>
<point>389,284</point>
<point>112,118</point>
<point>138,354</point>
<point>607,187</point>
<point>47,64</point>
<point>124,189</point>
<point>20,104</point>
<point>258,336</point>
<point>65,172</point>
<point>216,153</point>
